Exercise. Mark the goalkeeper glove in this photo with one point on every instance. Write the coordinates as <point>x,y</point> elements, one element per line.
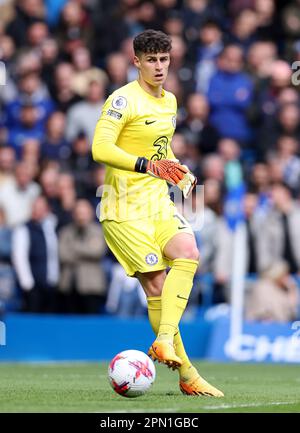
<point>168,170</point>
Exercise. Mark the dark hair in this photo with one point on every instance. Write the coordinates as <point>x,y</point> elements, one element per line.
<point>152,41</point>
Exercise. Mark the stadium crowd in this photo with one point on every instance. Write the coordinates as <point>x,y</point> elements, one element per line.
<point>238,124</point>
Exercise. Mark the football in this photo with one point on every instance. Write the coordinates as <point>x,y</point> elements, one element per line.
<point>131,373</point>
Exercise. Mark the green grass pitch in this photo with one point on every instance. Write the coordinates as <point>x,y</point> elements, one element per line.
<point>83,387</point>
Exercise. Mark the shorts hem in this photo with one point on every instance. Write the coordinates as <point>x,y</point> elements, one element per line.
<point>144,270</point>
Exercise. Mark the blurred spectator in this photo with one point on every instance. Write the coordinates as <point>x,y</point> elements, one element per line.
<point>260,183</point>
<point>73,30</point>
<point>230,94</point>
<point>269,89</point>
<point>26,13</point>
<point>274,297</point>
<point>81,246</point>
<point>35,258</point>
<point>280,234</point>
<point>206,52</point>
<point>55,146</point>
<point>288,160</point>
<point>60,192</point>
<point>28,127</point>
<point>49,54</point>
<point>260,57</point>
<point>83,116</point>
<point>197,124</point>
<point>195,13</point>
<point>62,92</point>
<point>244,27</point>
<point>206,238</point>
<point>230,151</point>
<point>125,295</point>
<point>286,122</point>
<point>31,154</point>
<point>213,167</point>
<point>7,280</point>
<point>116,67</point>
<point>81,164</point>
<point>183,68</point>
<point>31,92</point>
<point>7,164</point>
<point>37,33</point>
<point>18,195</point>
<point>224,252</point>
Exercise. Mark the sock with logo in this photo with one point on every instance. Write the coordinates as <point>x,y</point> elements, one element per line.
<point>175,294</point>
<point>154,312</point>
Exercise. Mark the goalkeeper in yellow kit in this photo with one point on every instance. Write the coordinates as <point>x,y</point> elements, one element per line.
<point>140,222</point>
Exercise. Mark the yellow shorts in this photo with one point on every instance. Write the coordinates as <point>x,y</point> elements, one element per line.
<point>138,244</point>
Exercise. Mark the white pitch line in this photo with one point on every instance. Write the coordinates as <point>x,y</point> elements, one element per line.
<point>229,406</point>
<point>168,410</point>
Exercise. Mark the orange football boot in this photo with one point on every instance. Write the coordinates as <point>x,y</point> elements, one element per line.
<point>163,351</point>
<point>198,386</point>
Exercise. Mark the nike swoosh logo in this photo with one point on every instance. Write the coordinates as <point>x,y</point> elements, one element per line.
<point>181,297</point>
<point>180,228</point>
<point>148,122</point>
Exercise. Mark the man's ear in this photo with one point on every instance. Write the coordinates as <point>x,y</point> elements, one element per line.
<point>136,62</point>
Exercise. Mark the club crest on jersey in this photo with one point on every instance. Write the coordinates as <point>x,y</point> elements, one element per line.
<point>174,121</point>
<point>151,259</point>
<point>119,102</point>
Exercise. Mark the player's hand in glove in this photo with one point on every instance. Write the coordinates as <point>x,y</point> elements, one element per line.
<point>171,171</point>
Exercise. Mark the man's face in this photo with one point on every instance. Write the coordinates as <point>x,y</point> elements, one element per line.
<point>153,67</point>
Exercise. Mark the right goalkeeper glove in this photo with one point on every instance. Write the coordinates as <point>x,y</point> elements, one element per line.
<point>168,170</point>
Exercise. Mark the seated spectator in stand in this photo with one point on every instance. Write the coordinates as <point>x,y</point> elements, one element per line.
<point>196,123</point>
<point>260,57</point>
<point>274,297</point>
<point>7,164</point>
<point>206,50</point>
<point>230,151</point>
<point>31,156</point>
<point>280,235</point>
<point>84,115</point>
<point>27,128</point>
<point>63,93</point>
<point>7,279</point>
<point>26,13</point>
<point>230,94</point>
<point>55,146</point>
<point>125,296</point>
<point>31,92</point>
<point>49,56</point>
<point>260,183</point>
<point>116,67</point>
<point>36,34</point>
<point>35,258</point>
<point>224,253</point>
<point>181,66</point>
<point>81,247</point>
<point>243,31</point>
<point>60,192</point>
<point>286,122</point>
<point>213,167</point>
<point>81,164</point>
<point>18,195</point>
<point>289,161</point>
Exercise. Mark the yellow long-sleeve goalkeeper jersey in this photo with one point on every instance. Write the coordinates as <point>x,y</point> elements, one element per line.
<point>134,123</point>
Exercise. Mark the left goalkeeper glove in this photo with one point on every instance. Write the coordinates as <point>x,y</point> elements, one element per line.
<point>188,183</point>
<point>171,171</point>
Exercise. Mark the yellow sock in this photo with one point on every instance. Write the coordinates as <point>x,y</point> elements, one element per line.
<point>175,294</point>
<point>154,313</point>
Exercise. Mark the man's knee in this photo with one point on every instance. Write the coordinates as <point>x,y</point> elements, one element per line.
<point>190,252</point>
